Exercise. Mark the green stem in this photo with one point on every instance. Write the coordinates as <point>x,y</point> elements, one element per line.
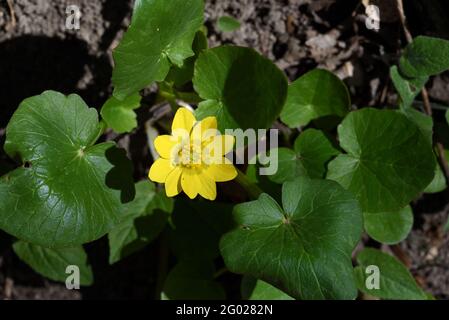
<point>251,188</point>
<point>101,131</point>
<point>167,95</point>
<point>189,97</point>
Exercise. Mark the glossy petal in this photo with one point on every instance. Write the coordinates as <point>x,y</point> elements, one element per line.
<point>205,129</point>
<point>208,189</point>
<point>196,181</point>
<point>190,183</point>
<point>184,120</point>
<point>172,186</point>
<point>222,172</point>
<point>165,144</point>
<point>160,170</point>
<point>219,146</point>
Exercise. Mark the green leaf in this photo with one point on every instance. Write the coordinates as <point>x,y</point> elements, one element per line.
<point>316,94</point>
<point>423,121</point>
<point>313,151</point>
<point>253,289</point>
<point>396,282</point>
<point>142,220</point>
<point>241,88</point>
<point>53,263</point>
<point>180,76</point>
<point>228,24</point>
<point>193,280</point>
<point>425,56</point>
<point>303,249</point>
<point>388,160</point>
<point>68,191</point>
<point>438,183</point>
<point>119,115</point>
<point>198,227</point>
<point>389,227</point>
<point>161,33</point>
<point>408,89</point>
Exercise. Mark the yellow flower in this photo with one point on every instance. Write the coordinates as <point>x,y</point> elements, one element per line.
<point>192,158</point>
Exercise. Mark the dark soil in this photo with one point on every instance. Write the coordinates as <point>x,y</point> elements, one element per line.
<point>37,53</point>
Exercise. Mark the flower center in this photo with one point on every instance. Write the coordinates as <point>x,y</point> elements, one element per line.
<point>189,155</point>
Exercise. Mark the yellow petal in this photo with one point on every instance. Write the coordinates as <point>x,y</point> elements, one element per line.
<point>220,145</point>
<point>184,120</point>
<point>222,172</point>
<point>160,170</point>
<point>205,129</point>
<point>194,181</point>
<point>208,189</point>
<point>172,185</point>
<point>189,182</point>
<point>165,145</point>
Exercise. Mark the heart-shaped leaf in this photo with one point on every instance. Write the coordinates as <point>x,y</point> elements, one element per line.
<point>141,221</point>
<point>312,152</point>
<point>316,94</point>
<point>389,227</point>
<point>395,281</point>
<point>304,248</point>
<point>119,115</point>
<point>388,160</point>
<point>161,33</point>
<point>68,191</point>
<point>241,88</point>
<point>425,56</point>
<point>53,263</point>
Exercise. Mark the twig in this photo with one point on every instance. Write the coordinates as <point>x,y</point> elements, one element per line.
<point>407,33</point>
<point>426,101</point>
<point>9,283</point>
<point>425,97</point>
<point>12,13</point>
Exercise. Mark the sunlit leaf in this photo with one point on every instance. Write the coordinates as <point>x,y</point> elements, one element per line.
<point>161,33</point>
<point>241,88</point>
<point>316,94</point>
<point>303,248</point>
<point>388,160</point>
<point>68,190</point>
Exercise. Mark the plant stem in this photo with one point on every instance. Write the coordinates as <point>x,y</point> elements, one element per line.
<point>101,131</point>
<point>251,188</point>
